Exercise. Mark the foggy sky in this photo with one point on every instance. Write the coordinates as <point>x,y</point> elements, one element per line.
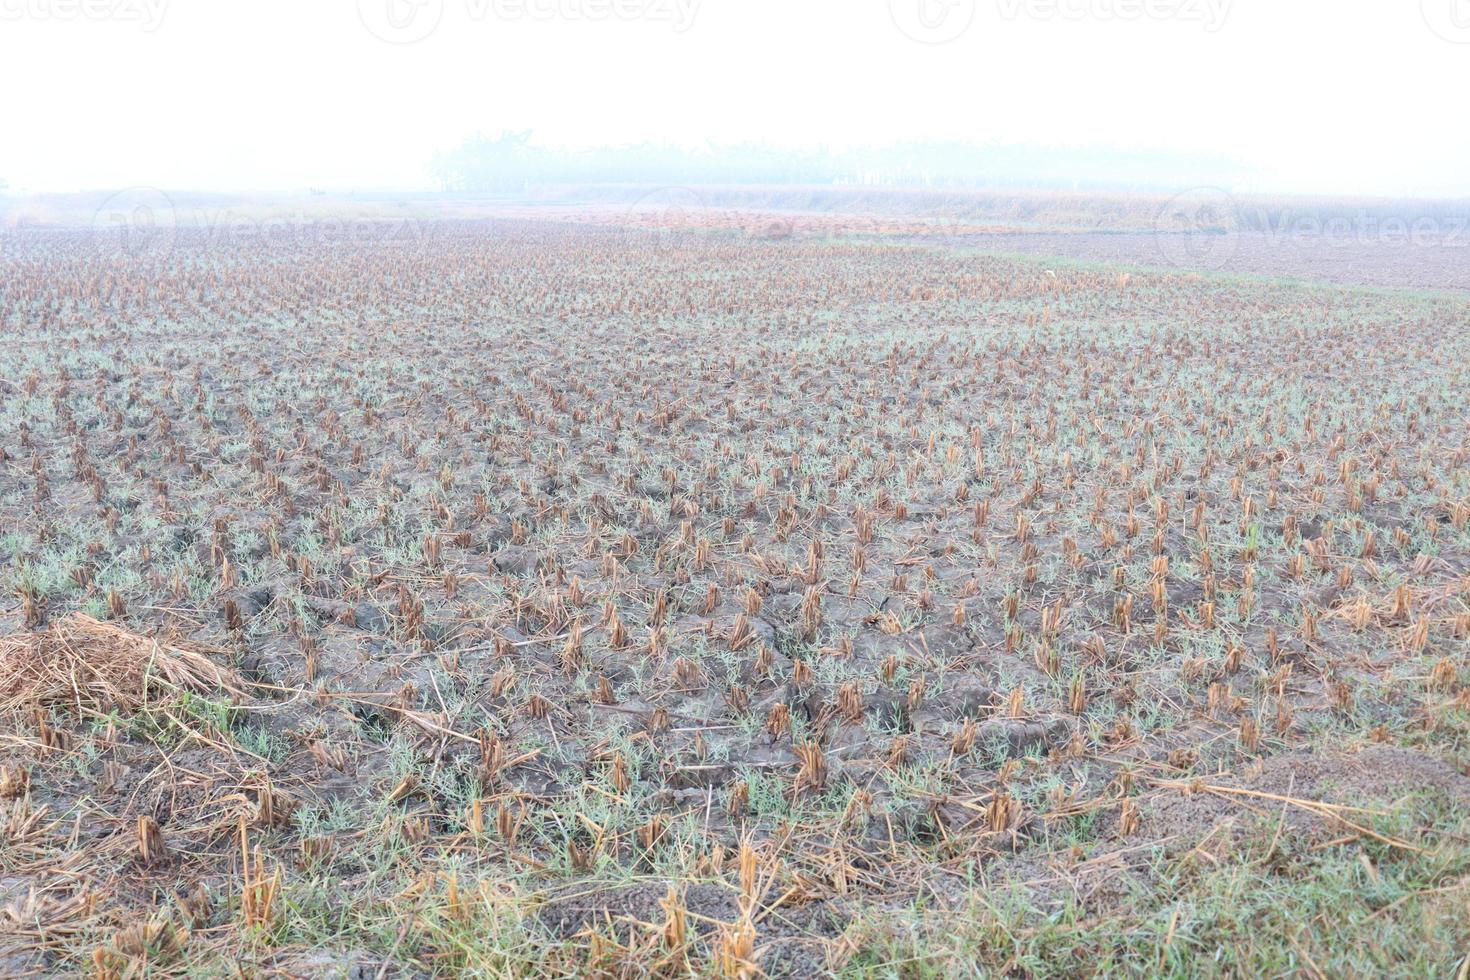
<point>1328,96</point>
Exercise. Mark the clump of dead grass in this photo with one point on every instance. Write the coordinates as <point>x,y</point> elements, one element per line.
<point>89,664</point>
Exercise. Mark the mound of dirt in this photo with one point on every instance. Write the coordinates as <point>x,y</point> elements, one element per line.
<point>1370,780</point>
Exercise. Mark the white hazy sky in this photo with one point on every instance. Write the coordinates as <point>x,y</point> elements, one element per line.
<point>1336,96</point>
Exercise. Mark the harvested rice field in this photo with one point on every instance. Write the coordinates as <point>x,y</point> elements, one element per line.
<point>552,598</point>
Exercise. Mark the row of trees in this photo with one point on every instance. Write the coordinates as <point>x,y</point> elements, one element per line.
<point>511,162</point>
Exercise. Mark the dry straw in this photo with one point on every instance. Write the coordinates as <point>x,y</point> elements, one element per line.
<point>94,665</point>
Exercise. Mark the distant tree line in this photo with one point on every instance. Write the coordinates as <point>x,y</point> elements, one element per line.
<point>511,162</point>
